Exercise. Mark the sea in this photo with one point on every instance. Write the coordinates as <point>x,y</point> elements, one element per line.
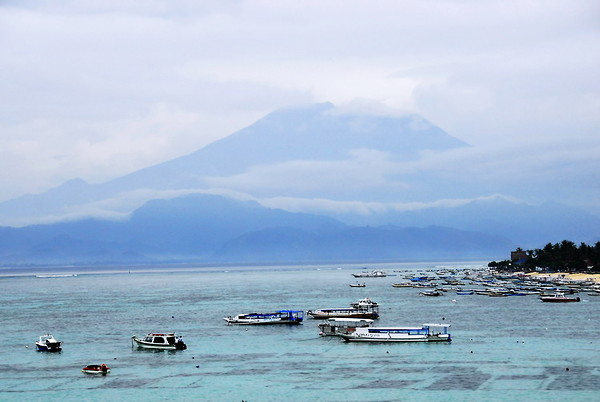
<point>503,348</point>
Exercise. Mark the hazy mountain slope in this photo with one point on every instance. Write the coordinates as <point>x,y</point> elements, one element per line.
<point>318,132</point>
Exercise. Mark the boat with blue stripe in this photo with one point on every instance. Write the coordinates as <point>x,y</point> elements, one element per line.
<point>426,333</point>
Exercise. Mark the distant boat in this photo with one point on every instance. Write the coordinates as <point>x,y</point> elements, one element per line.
<point>165,341</point>
<point>559,297</point>
<point>96,369</point>
<point>364,308</point>
<point>372,274</point>
<point>358,285</point>
<point>431,293</point>
<point>426,333</point>
<point>278,317</point>
<point>48,343</point>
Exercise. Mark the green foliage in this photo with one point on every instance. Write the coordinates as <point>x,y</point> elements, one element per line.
<point>565,256</point>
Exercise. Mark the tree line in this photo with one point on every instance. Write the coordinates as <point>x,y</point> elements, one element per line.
<point>565,256</point>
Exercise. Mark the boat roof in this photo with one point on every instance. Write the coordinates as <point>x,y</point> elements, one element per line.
<point>340,319</point>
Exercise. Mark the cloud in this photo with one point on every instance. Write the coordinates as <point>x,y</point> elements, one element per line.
<point>97,89</point>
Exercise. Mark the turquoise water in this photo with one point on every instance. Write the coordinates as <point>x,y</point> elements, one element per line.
<point>510,348</point>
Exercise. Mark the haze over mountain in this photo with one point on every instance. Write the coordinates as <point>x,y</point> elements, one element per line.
<point>302,184</point>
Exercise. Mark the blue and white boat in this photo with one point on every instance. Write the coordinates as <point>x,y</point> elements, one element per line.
<point>48,343</point>
<point>278,317</point>
<point>426,333</point>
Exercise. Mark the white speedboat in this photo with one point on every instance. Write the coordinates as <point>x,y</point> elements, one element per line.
<point>426,333</point>
<point>278,317</point>
<point>364,308</point>
<point>47,343</point>
<point>165,341</point>
<point>340,326</point>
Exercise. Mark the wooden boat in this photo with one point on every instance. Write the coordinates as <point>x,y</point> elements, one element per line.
<point>426,333</point>
<point>96,369</point>
<point>48,343</point>
<point>559,297</point>
<point>278,317</point>
<point>165,341</point>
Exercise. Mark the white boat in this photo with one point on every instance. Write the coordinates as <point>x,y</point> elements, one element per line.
<point>364,308</point>
<point>426,333</point>
<point>559,297</point>
<point>358,285</point>
<point>165,341</point>
<point>373,274</point>
<point>278,317</point>
<point>340,326</point>
<point>48,343</point>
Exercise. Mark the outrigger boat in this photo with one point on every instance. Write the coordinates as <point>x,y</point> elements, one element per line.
<point>167,341</point>
<point>278,317</point>
<point>96,369</point>
<point>426,333</point>
<point>364,308</point>
<point>47,343</point>
<point>339,326</point>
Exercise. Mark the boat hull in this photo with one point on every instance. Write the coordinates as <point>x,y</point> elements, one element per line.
<point>324,315</point>
<point>408,338</point>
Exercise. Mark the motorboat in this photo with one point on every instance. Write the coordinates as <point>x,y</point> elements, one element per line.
<point>48,343</point>
<point>364,308</point>
<point>96,369</point>
<point>338,326</point>
<point>278,317</point>
<point>358,285</point>
<point>559,297</point>
<point>431,293</point>
<point>372,274</point>
<point>165,341</point>
<point>426,333</point>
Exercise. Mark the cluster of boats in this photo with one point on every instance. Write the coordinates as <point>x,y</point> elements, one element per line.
<point>353,324</point>
<point>497,286</point>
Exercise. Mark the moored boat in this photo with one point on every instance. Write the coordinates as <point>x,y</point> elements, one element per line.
<point>373,274</point>
<point>426,333</point>
<point>431,293</point>
<point>96,369</point>
<point>339,326</point>
<point>278,317</point>
<point>48,343</point>
<point>559,297</point>
<point>364,308</point>
<point>165,341</point>
<point>358,285</point>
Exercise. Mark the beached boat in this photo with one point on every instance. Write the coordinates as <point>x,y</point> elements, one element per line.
<point>165,341</point>
<point>96,369</point>
<point>340,326</point>
<point>48,343</point>
<point>278,317</point>
<point>364,308</point>
<point>373,274</point>
<point>426,333</point>
<point>358,285</point>
<point>559,297</point>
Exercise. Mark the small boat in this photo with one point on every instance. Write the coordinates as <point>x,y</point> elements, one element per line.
<point>364,308</point>
<point>559,297</point>
<point>464,292</point>
<point>426,333</point>
<point>372,274</point>
<point>47,343</point>
<point>96,369</point>
<point>338,326</point>
<point>278,317</point>
<point>165,341</point>
<point>402,285</point>
<point>431,293</point>
<point>358,285</point>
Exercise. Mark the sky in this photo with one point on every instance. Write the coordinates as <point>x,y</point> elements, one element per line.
<point>95,89</point>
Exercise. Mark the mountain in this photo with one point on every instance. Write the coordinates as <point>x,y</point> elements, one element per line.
<point>319,134</point>
<point>214,229</point>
